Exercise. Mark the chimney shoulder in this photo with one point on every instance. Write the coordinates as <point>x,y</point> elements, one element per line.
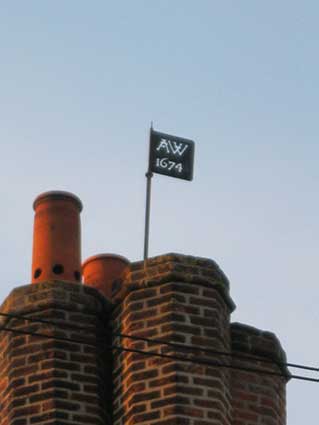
<point>259,397</point>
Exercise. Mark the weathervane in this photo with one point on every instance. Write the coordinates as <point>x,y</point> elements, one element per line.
<point>171,156</point>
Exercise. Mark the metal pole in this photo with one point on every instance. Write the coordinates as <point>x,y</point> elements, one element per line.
<point>149,176</point>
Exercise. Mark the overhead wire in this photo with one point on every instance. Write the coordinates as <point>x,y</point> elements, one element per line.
<point>180,346</point>
<point>161,355</point>
<point>149,353</point>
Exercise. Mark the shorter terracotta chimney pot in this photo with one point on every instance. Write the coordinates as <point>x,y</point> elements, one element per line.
<point>57,237</point>
<point>101,271</point>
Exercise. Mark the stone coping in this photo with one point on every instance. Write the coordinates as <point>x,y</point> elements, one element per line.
<point>173,267</point>
<point>248,340</point>
<point>55,294</point>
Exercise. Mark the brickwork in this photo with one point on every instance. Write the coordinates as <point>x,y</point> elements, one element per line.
<point>47,381</point>
<point>179,299</point>
<point>258,399</point>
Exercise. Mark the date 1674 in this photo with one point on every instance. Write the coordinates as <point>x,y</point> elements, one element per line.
<point>167,164</point>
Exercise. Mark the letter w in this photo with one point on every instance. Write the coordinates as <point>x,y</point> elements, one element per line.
<point>178,148</point>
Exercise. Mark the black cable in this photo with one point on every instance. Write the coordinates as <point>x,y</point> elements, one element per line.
<point>221,353</point>
<point>167,356</point>
<point>168,343</point>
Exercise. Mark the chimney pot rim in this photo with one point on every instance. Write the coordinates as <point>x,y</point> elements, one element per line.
<point>57,195</point>
<point>105,256</point>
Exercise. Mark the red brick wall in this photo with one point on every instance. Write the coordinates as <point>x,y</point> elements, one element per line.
<point>179,299</point>
<point>47,381</point>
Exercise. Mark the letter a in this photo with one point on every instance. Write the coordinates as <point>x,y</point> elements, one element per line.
<point>163,145</point>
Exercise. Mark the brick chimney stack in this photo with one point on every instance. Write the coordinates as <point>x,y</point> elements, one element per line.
<point>183,300</point>
<point>112,351</point>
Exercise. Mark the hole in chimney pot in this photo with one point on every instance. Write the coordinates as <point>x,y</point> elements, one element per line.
<point>37,273</point>
<point>77,276</point>
<point>58,269</point>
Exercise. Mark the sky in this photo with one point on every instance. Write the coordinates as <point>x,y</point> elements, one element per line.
<point>80,83</point>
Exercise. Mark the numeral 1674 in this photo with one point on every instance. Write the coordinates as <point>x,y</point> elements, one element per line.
<point>169,165</point>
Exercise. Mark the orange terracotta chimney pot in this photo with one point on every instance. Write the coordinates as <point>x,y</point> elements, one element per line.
<point>57,237</point>
<point>103,270</point>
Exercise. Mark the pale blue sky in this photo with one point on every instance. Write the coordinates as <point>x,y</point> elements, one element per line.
<point>81,82</point>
